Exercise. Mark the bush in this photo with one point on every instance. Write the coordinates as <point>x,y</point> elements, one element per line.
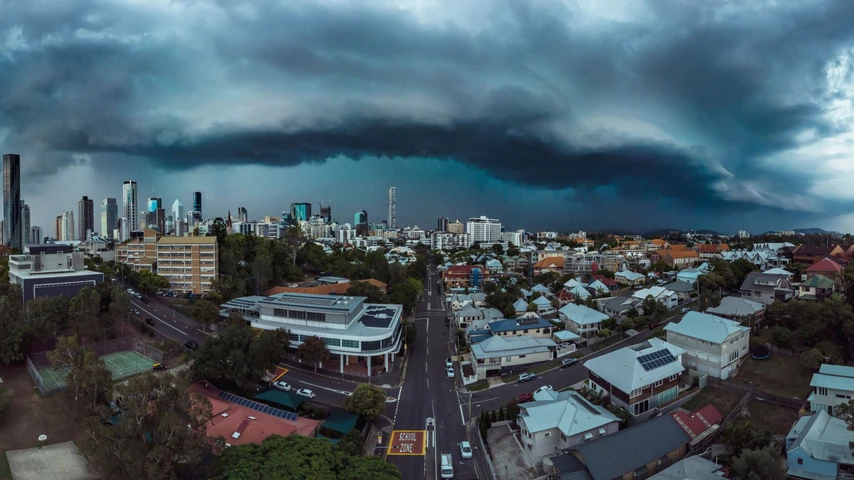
<point>609,323</point>
<point>604,333</point>
<point>628,324</point>
<point>812,359</point>
<point>782,337</point>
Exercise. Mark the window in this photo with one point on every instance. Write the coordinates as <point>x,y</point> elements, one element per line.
<point>508,359</point>
<point>547,434</point>
<point>562,436</point>
<point>672,377</point>
<point>350,343</point>
<point>636,392</point>
<point>315,316</point>
<point>821,390</point>
<point>848,397</point>
<point>659,383</point>
<point>800,461</point>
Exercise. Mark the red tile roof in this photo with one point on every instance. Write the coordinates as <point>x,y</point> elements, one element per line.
<point>333,288</point>
<point>609,282</point>
<point>698,421</point>
<point>713,247</point>
<point>826,265</point>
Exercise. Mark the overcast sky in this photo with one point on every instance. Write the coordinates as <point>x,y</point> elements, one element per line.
<point>559,115</point>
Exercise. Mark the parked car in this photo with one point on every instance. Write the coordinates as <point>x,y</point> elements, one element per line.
<point>450,372</point>
<point>524,377</point>
<point>149,321</point>
<point>306,393</point>
<point>143,298</point>
<point>191,344</point>
<point>449,363</point>
<point>524,397</point>
<point>159,366</point>
<point>544,387</point>
<point>465,449</point>
<point>282,386</point>
<point>684,310</point>
<point>568,362</point>
<point>134,311</point>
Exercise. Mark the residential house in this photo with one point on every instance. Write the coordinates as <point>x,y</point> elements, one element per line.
<point>713,345</point>
<point>565,296</point>
<point>459,300</point>
<point>529,324</point>
<point>550,264</point>
<point>679,258</point>
<point>700,423</point>
<point>709,251</point>
<point>580,264</point>
<point>544,306</point>
<point>572,283</point>
<point>561,421</point>
<point>689,275</point>
<point>494,266</point>
<point>817,288</point>
<point>818,447</point>
<point>599,288</point>
<point>497,353</point>
<point>492,314</point>
<point>639,377</point>
<point>660,294</point>
<point>812,254</point>
<point>462,276</point>
<point>629,278</point>
<point>579,292</point>
<point>830,267</point>
<point>467,314</point>
<point>742,310</point>
<point>582,320</point>
<point>636,452</point>
<point>765,288</point>
<point>762,259</point>
<point>521,306</point>
<point>831,386</point>
<point>542,290</point>
<point>691,468</point>
<point>619,306</point>
<point>608,282</point>
<point>682,289</point>
<point>478,299</point>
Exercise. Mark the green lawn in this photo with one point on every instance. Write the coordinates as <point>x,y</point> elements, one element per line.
<point>777,420</point>
<point>779,375</point>
<point>723,400</point>
<point>478,386</point>
<point>544,366</point>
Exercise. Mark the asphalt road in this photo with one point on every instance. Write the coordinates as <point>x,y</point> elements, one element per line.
<point>168,322</point>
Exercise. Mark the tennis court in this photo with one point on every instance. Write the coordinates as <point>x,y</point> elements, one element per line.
<point>122,364</point>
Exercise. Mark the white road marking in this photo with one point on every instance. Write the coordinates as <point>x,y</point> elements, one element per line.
<point>428,384</point>
<point>462,417</point>
<point>161,321</point>
<point>342,392</point>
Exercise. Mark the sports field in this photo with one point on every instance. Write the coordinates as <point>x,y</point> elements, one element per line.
<point>122,364</point>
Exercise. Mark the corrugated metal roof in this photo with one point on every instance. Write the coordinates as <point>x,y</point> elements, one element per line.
<point>621,368</point>
<point>690,468</point>
<point>495,347</point>
<point>614,455</point>
<point>832,381</point>
<point>582,315</point>
<point>825,438</point>
<point>564,411</point>
<point>706,327</point>
<point>736,306</point>
<point>838,370</point>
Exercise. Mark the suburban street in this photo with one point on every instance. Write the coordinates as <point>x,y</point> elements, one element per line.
<point>168,322</point>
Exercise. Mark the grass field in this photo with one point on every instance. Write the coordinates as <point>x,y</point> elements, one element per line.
<point>723,400</point>
<point>779,375</point>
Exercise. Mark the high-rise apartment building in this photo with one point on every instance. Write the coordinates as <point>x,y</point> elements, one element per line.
<point>85,217</point>
<point>456,227</point>
<point>25,225</point>
<point>442,226</point>
<point>36,235</point>
<point>189,263</point>
<point>300,212</point>
<point>392,208</point>
<point>483,230</point>
<point>326,210</point>
<point>109,217</point>
<point>360,222</point>
<point>130,210</point>
<point>12,201</point>
<point>242,214</point>
<point>197,205</point>
<point>65,227</point>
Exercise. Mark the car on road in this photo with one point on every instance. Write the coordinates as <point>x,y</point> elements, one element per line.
<point>465,449</point>
<point>191,344</point>
<point>568,362</point>
<point>449,363</point>
<point>143,298</point>
<point>306,393</point>
<point>293,285</point>
<point>134,311</point>
<point>524,397</point>
<point>684,310</point>
<point>524,377</point>
<point>149,321</point>
<point>543,388</point>
<point>282,386</point>
<point>450,372</point>
<point>159,366</point>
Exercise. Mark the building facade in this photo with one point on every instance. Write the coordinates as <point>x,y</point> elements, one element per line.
<point>832,386</point>
<point>713,345</point>
<point>189,263</point>
<point>12,201</point>
<point>448,241</point>
<point>25,224</point>
<point>109,217</point>
<point>483,230</point>
<point>51,270</point>
<point>36,235</point>
<point>130,207</point>
<point>85,218</point>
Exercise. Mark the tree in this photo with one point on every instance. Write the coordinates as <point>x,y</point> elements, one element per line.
<point>313,350</point>
<point>14,333</point>
<point>410,332</point>
<point>206,313</point>
<point>781,337</point>
<point>48,314</point>
<point>218,229</point>
<point>262,268</point>
<point>83,313</point>
<point>367,400</point>
<point>294,239</point>
<point>759,464</point>
<point>89,381</point>
<point>532,307</point>
<point>119,302</point>
<point>742,435</point>
<point>158,433</point>
<point>352,443</point>
<point>239,354</point>
<point>4,405</point>
<point>812,359</point>
<point>152,282</point>
<point>365,289</point>
<point>235,318</point>
<point>296,457</point>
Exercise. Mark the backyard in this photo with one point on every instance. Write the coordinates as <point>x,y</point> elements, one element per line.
<point>777,420</point>
<point>723,400</point>
<point>779,375</point>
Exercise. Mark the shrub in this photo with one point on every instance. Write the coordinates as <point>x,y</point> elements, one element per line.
<point>781,337</point>
<point>812,359</point>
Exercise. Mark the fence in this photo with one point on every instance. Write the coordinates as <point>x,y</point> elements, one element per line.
<point>148,351</point>
<point>474,432</point>
<point>37,378</point>
<point>703,444</point>
<point>788,402</point>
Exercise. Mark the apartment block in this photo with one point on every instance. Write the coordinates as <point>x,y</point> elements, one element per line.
<point>189,263</point>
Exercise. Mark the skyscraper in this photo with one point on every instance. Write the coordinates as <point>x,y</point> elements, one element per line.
<point>85,217</point>
<point>392,207</point>
<point>36,234</point>
<point>129,206</point>
<point>442,226</point>
<point>25,224</point>
<point>242,214</point>
<point>154,203</point>
<point>197,204</point>
<point>326,210</point>
<point>12,200</point>
<point>360,221</point>
<point>109,217</point>
<point>160,219</point>
<point>65,226</point>
<point>178,217</point>
<point>300,212</point>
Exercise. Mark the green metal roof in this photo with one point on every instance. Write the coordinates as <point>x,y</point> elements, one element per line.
<point>341,421</point>
<point>285,399</point>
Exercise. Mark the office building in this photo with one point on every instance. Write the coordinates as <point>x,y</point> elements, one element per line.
<point>360,222</point>
<point>300,212</point>
<point>36,235</point>
<point>65,227</point>
<point>25,224</point>
<point>197,205</point>
<point>109,217</point>
<point>456,227</point>
<point>242,215</point>
<point>122,231</point>
<point>355,332</point>
<point>160,220</point>
<point>189,263</point>
<point>483,230</point>
<point>12,200</point>
<point>326,210</point>
<point>178,218</point>
<point>85,217</point>
<point>442,226</point>
<point>130,210</point>
<point>392,208</point>
<point>51,270</point>
<point>154,203</point>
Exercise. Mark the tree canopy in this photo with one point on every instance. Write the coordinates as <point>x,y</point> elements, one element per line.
<point>313,350</point>
<point>367,400</point>
<point>240,354</point>
<point>759,464</point>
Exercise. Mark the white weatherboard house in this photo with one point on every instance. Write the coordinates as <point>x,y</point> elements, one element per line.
<point>659,294</point>
<point>638,377</point>
<point>831,386</point>
<point>495,353</point>
<point>713,345</point>
<point>582,320</point>
<point>562,420</point>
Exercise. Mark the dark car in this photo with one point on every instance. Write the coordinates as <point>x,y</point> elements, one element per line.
<point>191,344</point>
<point>143,298</point>
<point>149,321</point>
<point>134,311</point>
<point>524,397</point>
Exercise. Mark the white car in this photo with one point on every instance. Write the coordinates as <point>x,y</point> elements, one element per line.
<point>465,449</point>
<point>305,393</point>
<point>544,387</point>
<point>282,386</point>
<point>450,372</point>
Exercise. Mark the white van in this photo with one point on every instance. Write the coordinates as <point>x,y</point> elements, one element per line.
<point>447,468</point>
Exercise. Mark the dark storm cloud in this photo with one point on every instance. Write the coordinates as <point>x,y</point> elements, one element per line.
<point>185,84</point>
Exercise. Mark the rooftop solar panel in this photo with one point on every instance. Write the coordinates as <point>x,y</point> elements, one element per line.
<point>656,359</point>
<point>260,407</point>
